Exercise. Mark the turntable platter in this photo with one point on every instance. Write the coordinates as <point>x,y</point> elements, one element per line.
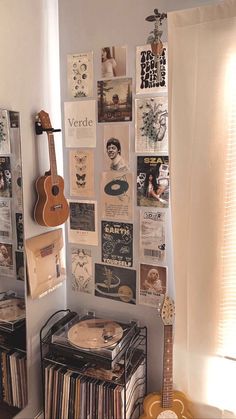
<point>12,309</point>
<point>95,334</point>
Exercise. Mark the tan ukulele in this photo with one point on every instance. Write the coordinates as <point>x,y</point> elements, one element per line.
<point>51,208</point>
<point>170,404</point>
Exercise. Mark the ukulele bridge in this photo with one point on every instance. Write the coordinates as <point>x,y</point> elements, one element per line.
<point>56,207</point>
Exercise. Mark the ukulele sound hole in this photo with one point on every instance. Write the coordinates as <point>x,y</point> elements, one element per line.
<point>55,190</point>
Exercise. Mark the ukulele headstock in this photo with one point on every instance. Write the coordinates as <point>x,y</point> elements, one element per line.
<point>168,311</point>
<point>44,120</point>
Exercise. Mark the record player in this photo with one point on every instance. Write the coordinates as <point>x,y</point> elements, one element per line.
<point>92,338</point>
<point>12,312</point>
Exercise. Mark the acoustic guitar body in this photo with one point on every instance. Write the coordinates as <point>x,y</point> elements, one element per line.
<point>153,409</point>
<point>51,208</point>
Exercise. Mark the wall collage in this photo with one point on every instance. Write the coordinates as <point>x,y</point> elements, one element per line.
<point>114,276</point>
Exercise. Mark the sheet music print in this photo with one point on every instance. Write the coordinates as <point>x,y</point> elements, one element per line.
<point>81,267</point>
<point>115,283</point>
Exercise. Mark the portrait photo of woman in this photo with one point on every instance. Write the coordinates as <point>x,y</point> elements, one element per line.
<point>113,62</point>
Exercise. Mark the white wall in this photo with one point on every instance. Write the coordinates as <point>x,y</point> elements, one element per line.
<point>29,82</point>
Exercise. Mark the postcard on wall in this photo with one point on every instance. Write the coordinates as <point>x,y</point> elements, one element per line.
<point>117,196</point>
<point>6,259</point>
<point>80,74</point>
<point>17,185</point>
<point>80,123</point>
<point>151,76</point>
<point>153,181</point>
<point>115,283</point>
<point>45,262</point>
<point>20,270</point>
<point>113,62</point>
<point>117,243</point>
<point>152,235</point>
<point>81,269</point>
<point>19,231</point>
<point>153,284</point>
<point>5,143</point>
<point>151,125</point>
<point>5,177</point>
<point>115,100</point>
<point>83,222</point>
<point>81,173</point>
<point>5,219</point>
<point>116,147</point>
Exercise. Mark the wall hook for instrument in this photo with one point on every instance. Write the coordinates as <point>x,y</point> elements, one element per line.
<point>39,129</point>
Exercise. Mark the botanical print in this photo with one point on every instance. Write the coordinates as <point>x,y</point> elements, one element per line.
<point>151,125</point>
<point>83,222</point>
<point>117,243</point>
<point>152,235</point>
<point>115,283</point>
<point>113,62</point>
<point>153,284</point>
<point>153,181</point>
<point>80,74</point>
<point>81,173</point>
<point>80,124</point>
<point>81,267</point>
<point>116,147</point>
<point>115,100</point>
<point>147,70</point>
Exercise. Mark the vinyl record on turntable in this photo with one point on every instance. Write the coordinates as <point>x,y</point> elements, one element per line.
<point>12,309</point>
<point>95,334</point>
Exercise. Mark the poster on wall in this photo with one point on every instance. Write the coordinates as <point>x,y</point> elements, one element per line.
<point>146,70</point>
<point>152,235</point>
<point>6,259</point>
<point>117,196</point>
<point>80,74</point>
<point>81,173</point>
<point>5,177</point>
<point>80,123</point>
<point>153,285</point>
<point>83,222</point>
<point>113,62</point>
<point>81,268</point>
<point>114,100</point>
<point>5,219</point>
<point>117,243</point>
<point>5,147</point>
<point>116,147</point>
<point>19,231</point>
<point>153,181</point>
<point>151,125</point>
<point>115,283</point>
<point>17,185</point>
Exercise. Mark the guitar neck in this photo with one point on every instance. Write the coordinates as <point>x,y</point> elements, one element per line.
<point>52,158</point>
<point>167,386</point>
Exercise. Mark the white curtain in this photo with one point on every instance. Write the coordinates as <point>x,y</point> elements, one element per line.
<point>202,107</point>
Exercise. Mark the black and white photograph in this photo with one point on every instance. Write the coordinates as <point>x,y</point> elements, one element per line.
<point>113,62</point>
<point>83,222</point>
<point>116,147</point>
<point>81,269</point>
<point>114,100</point>
<point>117,243</point>
<point>153,284</point>
<point>151,74</point>
<point>6,259</point>
<point>151,125</point>
<point>5,177</point>
<point>153,181</point>
<point>20,270</point>
<point>115,283</point>
<point>80,74</point>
